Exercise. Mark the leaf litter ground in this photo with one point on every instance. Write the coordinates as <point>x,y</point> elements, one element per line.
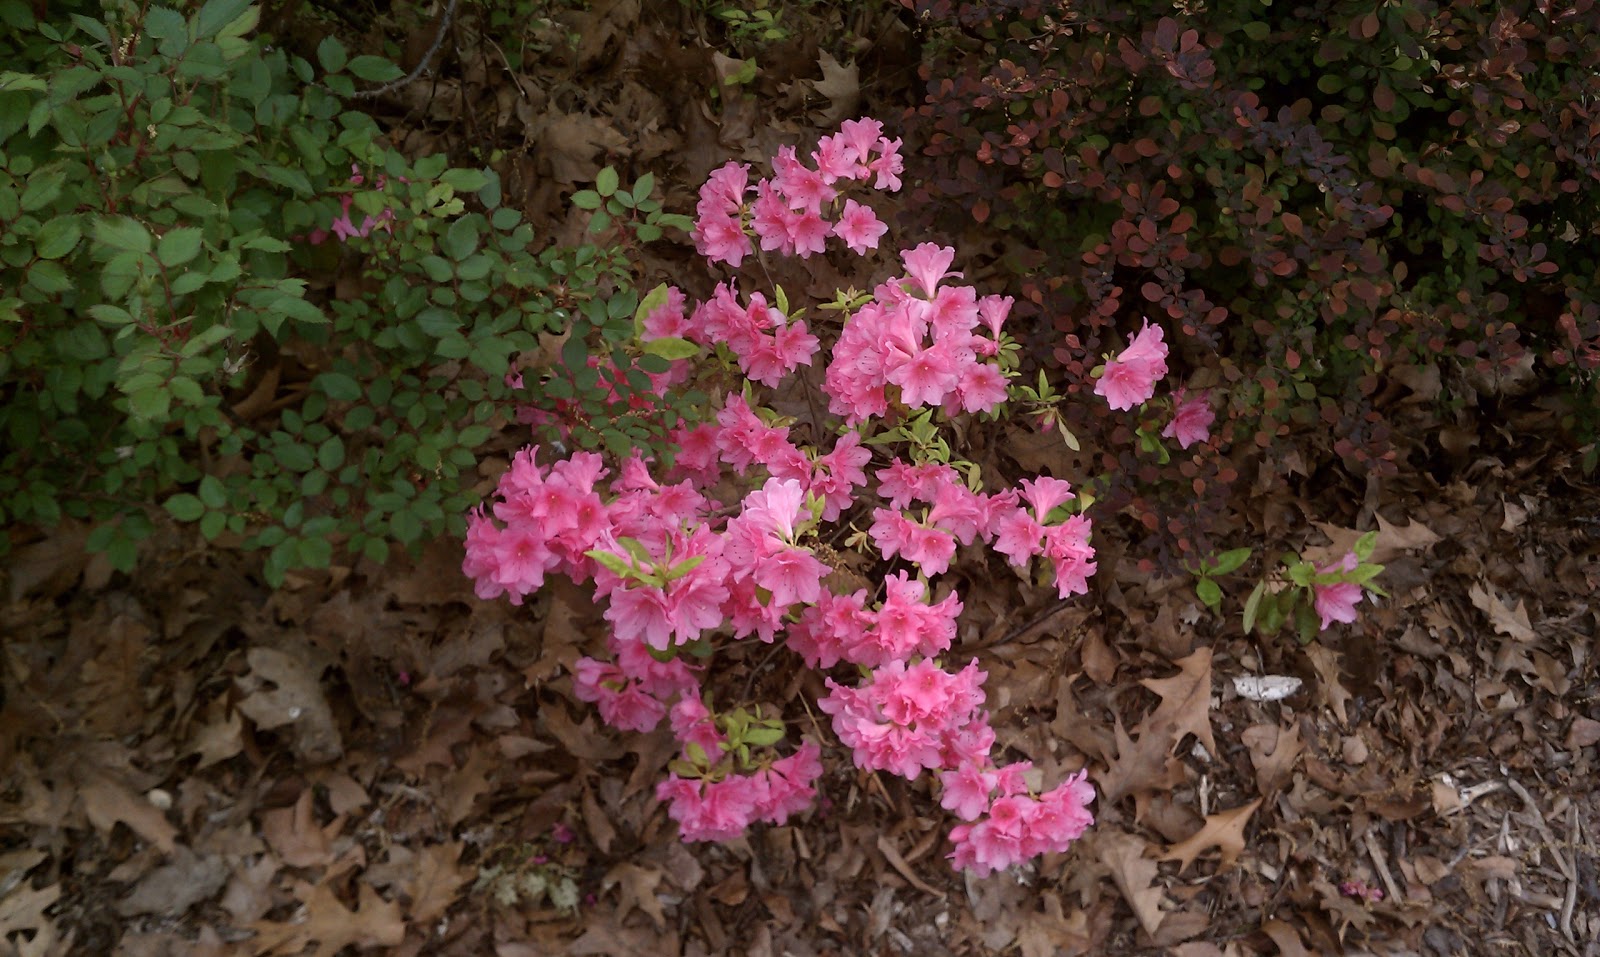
<point>372,761</point>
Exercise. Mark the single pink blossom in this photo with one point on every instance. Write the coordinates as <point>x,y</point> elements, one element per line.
<point>859,227</point>
<point>1337,602</point>
<point>1130,379</point>
<point>1191,419</point>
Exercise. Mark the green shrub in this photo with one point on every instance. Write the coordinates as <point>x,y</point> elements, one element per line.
<point>172,336</point>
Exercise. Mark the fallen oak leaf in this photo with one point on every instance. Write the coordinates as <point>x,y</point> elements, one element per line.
<point>1134,874</point>
<point>1506,620</point>
<point>1224,831</point>
<point>438,877</point>
<point>1141,764</point>
<point>107,802</point>
<point>1273,752</point>
<point>331,926</point>
<point>1329,687</point>
<point>841,84</point>
<point>1186,699</point>
<point>637,889</point>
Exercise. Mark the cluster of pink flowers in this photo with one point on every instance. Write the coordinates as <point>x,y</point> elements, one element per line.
<point>924,338</point>
<point>790,211</point>
<point>1008,825</point>
<point>677,560</point>
<point>342,227</point>
<point>718,807</point>
<point>908,718</point>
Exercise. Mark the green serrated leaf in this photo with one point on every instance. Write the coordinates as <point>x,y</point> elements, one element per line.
<point>330,53</point>
<point>374,69</point>
<point>185,507</point>
<point>178,246</point>
<point>606,182</point>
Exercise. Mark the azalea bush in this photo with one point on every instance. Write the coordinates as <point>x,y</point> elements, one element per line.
<point>745,534</point>
<point>1319,202</point>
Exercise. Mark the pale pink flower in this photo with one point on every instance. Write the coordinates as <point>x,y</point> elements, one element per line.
<point>859,227</point>
<point>927,264</point>
<point>1130,379</point>
<point>1337,602</point>
<point>1191,419</point>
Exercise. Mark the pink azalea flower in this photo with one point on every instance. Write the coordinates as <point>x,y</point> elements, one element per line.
<point>1337,602</point>
<point>859,227</point>
<point>1130,379</point>
<point>1191,419</point>
<point>721,238</point>
<point>927,264</point>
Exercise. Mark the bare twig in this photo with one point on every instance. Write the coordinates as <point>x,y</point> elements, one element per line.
<point>422,64</point>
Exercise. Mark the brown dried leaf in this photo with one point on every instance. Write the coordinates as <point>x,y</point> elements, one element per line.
<point>1286,938</point>
<point>597,822</point>
<point>1505,619</point>
<point>22,910</point>
<point>570,142</point>
<point>173,888</point>
<point>1145,764</point>
<point>1392,540</point>
<point>296,699</point>
<point>1051,934</point>
<point>636,889</point>
<point>1134,874</point>
<point>1273,752</point>
<point>1330,690</point>
<point>107,802</point>
<point>1224,831</point>
<point>1186,699</point>
<point>220,738</point>
<point>463,787</point>
<point>438,878</point>
<point>295,836</point>
<point>841,84</point>
<point>331,926</point>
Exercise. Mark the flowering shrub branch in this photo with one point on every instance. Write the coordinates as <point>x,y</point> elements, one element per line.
<point>725,543</point>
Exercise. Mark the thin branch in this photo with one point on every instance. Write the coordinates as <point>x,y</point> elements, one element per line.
<point>422,64</point>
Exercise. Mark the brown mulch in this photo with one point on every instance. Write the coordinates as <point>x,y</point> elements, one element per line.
<point>372,760</point>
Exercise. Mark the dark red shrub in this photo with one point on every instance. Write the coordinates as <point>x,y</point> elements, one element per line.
<point>1308,195</point>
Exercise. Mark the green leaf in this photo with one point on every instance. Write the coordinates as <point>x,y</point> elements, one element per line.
<point>616,563</point>
<point>375,69</point>
<point>330,53</point>
<point>315,552</point>
<point>606,182</point>
<point>185,507</point>
<point>643,187</point>
<point>764,737</point>
<point>122,232</point>
<point>330,454</point>
<point>212,492</point>
<point>1252,605</point>
<point>178,246</point>
<point>586,199</point>
<point>57,237</point>
<point>1365,544</point>
<point>339,386</point>
<point>163,23</point>
<point>217,14</point>
<point>43,188</point>
<point>1229,561</point>
<point>671,347</point>
<point>1209,592</point>
<point>1256,30</point>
